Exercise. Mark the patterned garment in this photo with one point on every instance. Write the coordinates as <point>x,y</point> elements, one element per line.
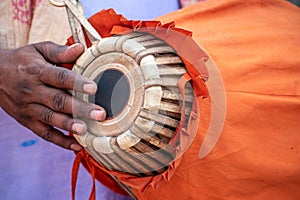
<point>23,10</point>
<point>28,21</point>
<point>185,3</point>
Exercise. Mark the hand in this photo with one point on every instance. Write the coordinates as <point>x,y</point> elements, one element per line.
<point>33,90</point>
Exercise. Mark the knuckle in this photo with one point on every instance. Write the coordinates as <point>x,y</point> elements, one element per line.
<point>24,120</point>
<point>34,69</point>
<point>43,47</point>
<point>47,135</point>
<point>61,77</point>
<point>59,101</point>
<point>47,115</point>
<point>53,50</point>
<point>24,87</point>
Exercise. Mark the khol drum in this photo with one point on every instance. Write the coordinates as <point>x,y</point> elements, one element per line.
<point>137,76</point>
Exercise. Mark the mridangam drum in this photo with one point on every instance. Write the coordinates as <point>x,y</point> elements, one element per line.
<point>137,76</point>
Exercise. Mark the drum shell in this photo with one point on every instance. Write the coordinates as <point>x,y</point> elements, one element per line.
<point>138,139</point>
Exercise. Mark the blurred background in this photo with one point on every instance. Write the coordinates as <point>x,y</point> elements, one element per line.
<point>33,169</point>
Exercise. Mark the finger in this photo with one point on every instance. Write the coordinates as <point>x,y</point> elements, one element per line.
<point>59,120</point>
<point>41,129</point>
<point>67,79</point>
<point>63,102</point>
<point>59,54</point>
<point>53,135</point>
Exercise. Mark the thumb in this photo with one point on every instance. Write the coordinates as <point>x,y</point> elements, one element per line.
<point>59,54</point>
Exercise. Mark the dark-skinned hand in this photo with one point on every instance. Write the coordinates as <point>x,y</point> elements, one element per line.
<point>34,91</point>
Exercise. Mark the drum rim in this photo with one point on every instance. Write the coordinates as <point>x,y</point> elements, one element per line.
<point>121,44</point>
<point>118,124</point>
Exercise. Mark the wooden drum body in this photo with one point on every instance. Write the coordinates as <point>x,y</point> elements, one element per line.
<point>137,76</point>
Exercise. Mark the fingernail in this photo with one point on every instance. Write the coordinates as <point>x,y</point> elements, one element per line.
<point>99,115</point>
<point>79,128</point>
<point>75,147</point>
<point>90,88</point>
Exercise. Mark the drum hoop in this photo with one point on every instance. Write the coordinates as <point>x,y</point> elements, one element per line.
<point>120,123</point>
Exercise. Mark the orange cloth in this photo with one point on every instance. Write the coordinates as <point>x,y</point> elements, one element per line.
<point>255,44</point>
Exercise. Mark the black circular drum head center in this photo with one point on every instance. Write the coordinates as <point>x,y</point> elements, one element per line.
<point>113,92</point>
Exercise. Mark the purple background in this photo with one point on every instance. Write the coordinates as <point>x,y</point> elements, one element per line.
<point>132,9</point>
